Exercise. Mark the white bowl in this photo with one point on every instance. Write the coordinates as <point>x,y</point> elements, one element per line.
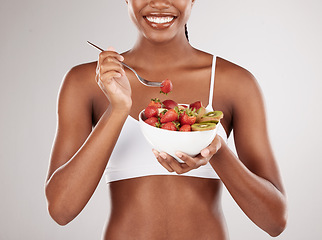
<point>171,142</point>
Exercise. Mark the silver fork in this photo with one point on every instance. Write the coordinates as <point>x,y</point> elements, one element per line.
<point>142,80</point>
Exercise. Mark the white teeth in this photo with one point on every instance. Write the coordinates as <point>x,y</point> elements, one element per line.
<point>159,19</point>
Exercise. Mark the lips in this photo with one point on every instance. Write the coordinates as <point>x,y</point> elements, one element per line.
<point>160,21</point>
<point>154,19</point>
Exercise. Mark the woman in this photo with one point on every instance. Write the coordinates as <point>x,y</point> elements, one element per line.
<point>162,198</point>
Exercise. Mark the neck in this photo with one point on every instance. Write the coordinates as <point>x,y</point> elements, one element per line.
<point>171,52</point>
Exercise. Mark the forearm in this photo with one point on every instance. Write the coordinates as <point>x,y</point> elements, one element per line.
<point>261,201</point>
<point>72,185</point>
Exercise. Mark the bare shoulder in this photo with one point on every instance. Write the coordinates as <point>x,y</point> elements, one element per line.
<point>81,74</point>
<point>234,73</point>
<point>80,81</point>
<point>237,81</point>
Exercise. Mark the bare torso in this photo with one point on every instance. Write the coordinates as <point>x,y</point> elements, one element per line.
<point>166,207</point>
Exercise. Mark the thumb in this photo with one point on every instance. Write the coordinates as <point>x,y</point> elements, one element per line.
<point>212,148</point>
<point>205,152</point>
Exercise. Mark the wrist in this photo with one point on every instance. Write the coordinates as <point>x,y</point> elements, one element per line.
<point>117,113</point>
<point>221,151</point>
<point>122,109</point>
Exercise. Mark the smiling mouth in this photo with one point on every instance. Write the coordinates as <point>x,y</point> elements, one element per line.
<point>159,19</point>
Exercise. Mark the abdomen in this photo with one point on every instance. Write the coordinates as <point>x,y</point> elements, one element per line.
<point>166,207</point>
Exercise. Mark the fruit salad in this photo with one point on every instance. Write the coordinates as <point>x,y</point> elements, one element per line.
<point>172,116</point>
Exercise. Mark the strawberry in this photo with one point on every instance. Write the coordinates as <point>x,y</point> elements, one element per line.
<point>156,103</point>
<point>151,111</point>
<point>185,128</point>
<point>195,105</point>
<point>166,86</point>
<point>182,107</point>
<point>153,121</point>
<point>170,126</point>
<point>169,116</point>
<point>169,104</point>
<point>161,114</point>
<point>187,119</point>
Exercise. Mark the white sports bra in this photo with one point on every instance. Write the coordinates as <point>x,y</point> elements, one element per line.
<point>132,156</point>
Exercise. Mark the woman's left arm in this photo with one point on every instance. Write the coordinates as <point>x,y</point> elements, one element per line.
<point>252,178</point>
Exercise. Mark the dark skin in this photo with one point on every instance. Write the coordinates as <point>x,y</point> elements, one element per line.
<point>94,102</point>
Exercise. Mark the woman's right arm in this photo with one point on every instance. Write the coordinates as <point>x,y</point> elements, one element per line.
<point>80,154</point>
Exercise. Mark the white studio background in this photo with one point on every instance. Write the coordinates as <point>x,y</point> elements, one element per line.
<point>278,41</point>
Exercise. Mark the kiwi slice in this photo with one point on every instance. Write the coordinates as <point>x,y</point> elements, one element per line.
<point>203,126</point>
<point>214,116</point>
<point>200,112</point>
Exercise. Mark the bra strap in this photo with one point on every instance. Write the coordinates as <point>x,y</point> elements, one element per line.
<point>212,82</point>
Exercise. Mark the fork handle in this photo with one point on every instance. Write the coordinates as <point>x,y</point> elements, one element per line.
<point>125,65</point>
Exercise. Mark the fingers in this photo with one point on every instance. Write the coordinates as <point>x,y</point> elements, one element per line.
<point>170,163</point>
<point>107,76</point>
<point>110,52</point>
<point>212,149</point>
<point>106,73</point>
<point>162,159</point>
<point>192,163</point>
<point>189,163</point>
<point>177,167</point>
<point>109,66</point>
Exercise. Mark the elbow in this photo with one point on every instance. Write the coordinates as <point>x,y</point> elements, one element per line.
<point>277,230</point>
<point>278,227</point>
<point>279,221</point>
<point>58,216</point>
<point>58,211</point>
